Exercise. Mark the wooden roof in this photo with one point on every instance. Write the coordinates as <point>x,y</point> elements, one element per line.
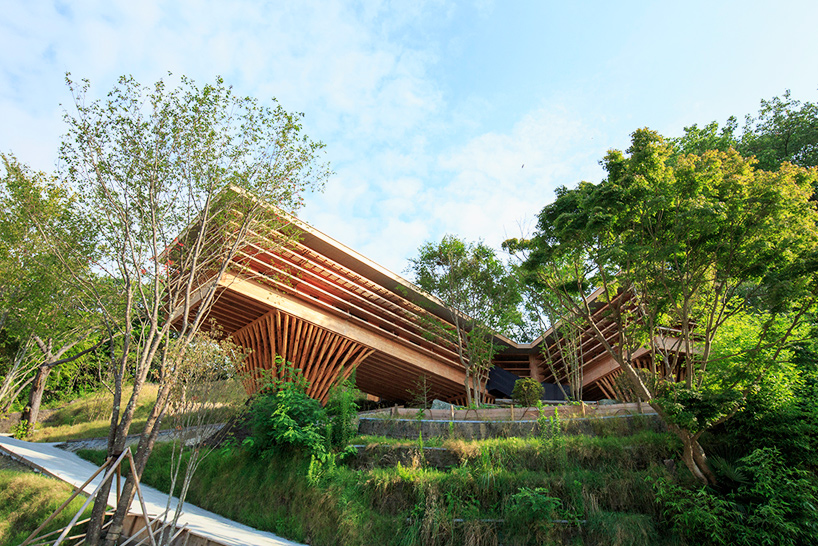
<point>366,317</point>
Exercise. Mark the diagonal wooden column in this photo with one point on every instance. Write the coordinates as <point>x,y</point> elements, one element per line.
<point>322,356</point>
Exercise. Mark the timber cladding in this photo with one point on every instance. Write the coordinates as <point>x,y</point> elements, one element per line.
<point>322,356</point>
<point>296,293</point>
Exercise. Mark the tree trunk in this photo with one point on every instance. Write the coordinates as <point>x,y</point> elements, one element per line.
<point>694,457</point>
<point>701,461</point>
<point>468,389</point>
<point>143,451</point>
<point>35,397</point>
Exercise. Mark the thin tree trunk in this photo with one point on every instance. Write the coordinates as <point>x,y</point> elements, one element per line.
<point>35,398</point>
<point>143,450</point>
<point>468,389</point>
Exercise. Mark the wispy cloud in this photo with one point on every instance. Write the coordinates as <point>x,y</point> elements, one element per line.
<point>439,116</point>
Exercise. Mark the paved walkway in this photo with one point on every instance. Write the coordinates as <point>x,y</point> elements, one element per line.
<point>68,467</point>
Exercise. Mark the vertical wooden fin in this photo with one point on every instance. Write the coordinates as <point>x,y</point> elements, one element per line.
<point>322,356</point>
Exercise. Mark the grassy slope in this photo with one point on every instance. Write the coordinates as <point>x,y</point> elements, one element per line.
<point>27,499</point>
<point>604,480</point>
<point>89,417</point>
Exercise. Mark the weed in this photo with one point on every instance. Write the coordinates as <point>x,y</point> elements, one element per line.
<point>22,430</point>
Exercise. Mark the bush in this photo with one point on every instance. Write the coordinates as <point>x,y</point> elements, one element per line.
<point>534,516</point>
<point>527,392</point>
<point>342,410</point>
<point>775,504</point>
<point>284,417</point>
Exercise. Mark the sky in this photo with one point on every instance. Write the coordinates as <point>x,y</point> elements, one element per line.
<point>439,117</point>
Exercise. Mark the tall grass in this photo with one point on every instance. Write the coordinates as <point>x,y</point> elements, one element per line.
<point>602,486</point>
<point>89,416</point>
<point>27,499</point>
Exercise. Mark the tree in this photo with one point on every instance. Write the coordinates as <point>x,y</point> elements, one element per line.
<point>481,298</point>
<point>674,248</point>
<point>44,317</point>
<point>561,345</point>
<point>785,130</point>
<point>205,395</point>
<point>178,183</point>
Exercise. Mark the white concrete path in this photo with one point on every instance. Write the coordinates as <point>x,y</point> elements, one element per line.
<point>68,467</point>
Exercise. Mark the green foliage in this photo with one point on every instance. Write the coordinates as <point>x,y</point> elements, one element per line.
<point>785,129</point>
<point>481,296</point>
<point>534,516</point>
<point>781,412</point>
<point>42,314</point>
<point>420,395</point>
<point>341,412</point>
<point>691,244</point>
<point>696,410</point>
<point>698,516</point>
<point>527,392</point>
<point>774,504</point>
<point>542,419</point>
<point>284,417</point>
<point>605,480</point>
<point>22,430</point>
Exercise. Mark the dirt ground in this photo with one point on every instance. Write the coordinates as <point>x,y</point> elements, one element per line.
<point>7,463</point>
<point>13,419</point>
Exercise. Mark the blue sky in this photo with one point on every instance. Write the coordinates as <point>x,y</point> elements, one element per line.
<point>429,109</point>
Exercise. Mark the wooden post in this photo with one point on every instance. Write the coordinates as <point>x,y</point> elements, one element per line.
<point>141,500</point>
<point>512,412</point>
<point>76,492</point>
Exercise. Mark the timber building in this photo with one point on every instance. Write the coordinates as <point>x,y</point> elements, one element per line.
<point>330,311</point>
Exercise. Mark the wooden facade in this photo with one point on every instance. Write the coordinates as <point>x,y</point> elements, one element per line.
<point>330,312</point>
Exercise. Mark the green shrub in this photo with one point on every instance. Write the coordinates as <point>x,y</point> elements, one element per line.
<point>534,516</point>
<point>775,504</point>
<point>284,417</point>
<point>527,392</point>
<point>341,411</point>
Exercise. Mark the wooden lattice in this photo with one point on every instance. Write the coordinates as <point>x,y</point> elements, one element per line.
<point>322,356</point>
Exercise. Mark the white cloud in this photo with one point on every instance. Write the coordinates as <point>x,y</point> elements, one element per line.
<point>364,76</point>
<point>501,180</point>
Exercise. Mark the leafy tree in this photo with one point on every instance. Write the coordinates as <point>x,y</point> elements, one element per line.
<point>785,130</point>
<point>480,295</point>
<point>177,183</point>
<point>45,318</point>
<point>561,347</point>
<point>675,247</point>
<point>697,140</point>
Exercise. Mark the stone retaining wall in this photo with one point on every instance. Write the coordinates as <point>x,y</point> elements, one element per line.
<point>411,429</point>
